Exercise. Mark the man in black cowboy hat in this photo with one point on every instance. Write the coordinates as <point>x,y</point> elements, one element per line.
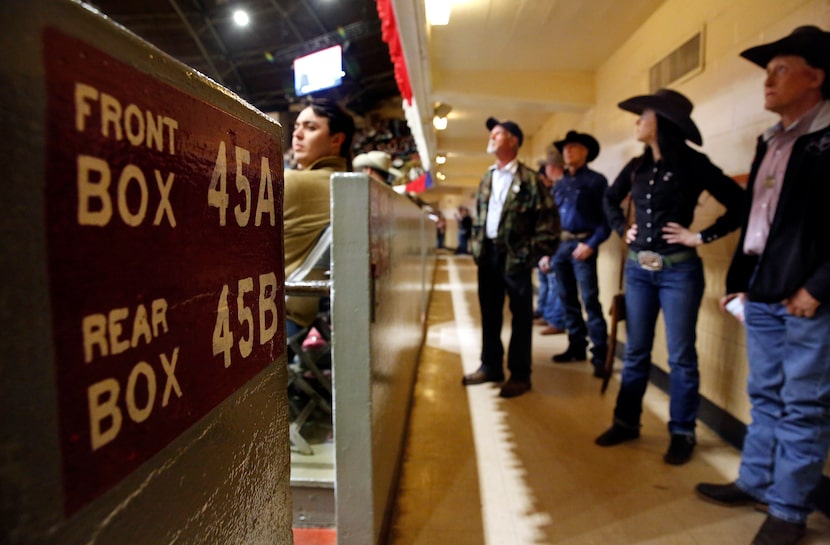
<point>579,195</point>
<point>515,224</point>
<point>781,272</point>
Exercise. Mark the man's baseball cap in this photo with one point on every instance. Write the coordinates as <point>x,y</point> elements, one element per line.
<point>509,126</point>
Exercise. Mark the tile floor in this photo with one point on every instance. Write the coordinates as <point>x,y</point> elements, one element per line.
<point>481,470</point>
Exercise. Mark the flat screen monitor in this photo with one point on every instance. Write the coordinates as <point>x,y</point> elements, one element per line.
<point>319,70</point>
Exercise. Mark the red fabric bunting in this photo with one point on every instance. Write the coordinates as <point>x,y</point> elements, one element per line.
<point>389,34</point>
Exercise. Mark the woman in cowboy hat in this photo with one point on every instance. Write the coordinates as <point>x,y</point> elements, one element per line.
<point>663,270</point>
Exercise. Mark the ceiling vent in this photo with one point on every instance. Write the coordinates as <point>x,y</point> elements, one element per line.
<point>681,64</point>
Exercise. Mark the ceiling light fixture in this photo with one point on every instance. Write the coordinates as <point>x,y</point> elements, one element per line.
<point>440,159</point>
<point>438,12</point>
<point>241,18</point>
<point>439,115</point>
<point>442,109</point>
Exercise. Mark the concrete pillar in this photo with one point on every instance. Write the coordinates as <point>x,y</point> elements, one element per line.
<point>142,378</point>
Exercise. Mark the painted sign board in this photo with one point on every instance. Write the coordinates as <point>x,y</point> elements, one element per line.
<point>164,218</point>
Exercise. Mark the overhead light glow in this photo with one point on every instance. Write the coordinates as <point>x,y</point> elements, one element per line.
<point>438,12</point>
<point>440,159</point>
<point>440,123</point>
<point>240,17</point>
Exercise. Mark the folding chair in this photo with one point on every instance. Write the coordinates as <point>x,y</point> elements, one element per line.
<point>310,387</point>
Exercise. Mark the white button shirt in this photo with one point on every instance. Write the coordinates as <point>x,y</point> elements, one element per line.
<point>500,185</point>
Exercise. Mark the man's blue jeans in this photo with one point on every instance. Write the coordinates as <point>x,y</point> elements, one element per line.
<point>678,290</point>
<point>548,303</point>
<point>554,313</point>
<point>463,243</point>
<point>571,273</point>
<point>542,296</point>
<point>789,386</point>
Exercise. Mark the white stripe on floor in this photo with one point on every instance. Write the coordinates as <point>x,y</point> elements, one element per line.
<point>506,512</point>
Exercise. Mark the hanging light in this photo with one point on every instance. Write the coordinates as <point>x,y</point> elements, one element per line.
<point>438,12</point>
<point>439,118</point>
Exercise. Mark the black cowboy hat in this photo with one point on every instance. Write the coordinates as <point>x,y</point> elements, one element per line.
<point>670,105</point>
<point>509,126</point>
<point>809,42</point>
<point>585,139</point>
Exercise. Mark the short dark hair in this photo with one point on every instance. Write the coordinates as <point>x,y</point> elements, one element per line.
<point>340,121</point>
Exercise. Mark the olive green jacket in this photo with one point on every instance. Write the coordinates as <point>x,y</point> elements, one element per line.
<point>529,225</point>
<point>307,212</point>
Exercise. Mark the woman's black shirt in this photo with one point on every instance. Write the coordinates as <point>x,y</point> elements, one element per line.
<point>669,193</point>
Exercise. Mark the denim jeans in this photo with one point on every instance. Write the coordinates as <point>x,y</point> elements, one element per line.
<point>548,303</point>
<point>577,278</point>
<point>542,296</point>
<point>789,386</point>
<point>493,285</point>
<point>678,290</point>
<point>554,312</point>
<point>291,328</point>
<point>463,244</point>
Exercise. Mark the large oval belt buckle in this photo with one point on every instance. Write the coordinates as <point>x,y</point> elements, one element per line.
<point>650,261</point>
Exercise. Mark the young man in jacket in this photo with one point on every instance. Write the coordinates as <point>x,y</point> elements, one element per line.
<point>322,144</point>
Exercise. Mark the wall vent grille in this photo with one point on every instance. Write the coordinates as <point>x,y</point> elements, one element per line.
<point>682,63</point>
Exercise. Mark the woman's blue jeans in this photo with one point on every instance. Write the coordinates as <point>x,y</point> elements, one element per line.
<point>789,386</point>
<point>678,291</point>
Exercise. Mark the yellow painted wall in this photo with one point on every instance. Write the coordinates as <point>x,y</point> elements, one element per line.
<point>729,112</point>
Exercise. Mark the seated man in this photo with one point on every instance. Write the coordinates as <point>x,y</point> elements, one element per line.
<point>321,143</point>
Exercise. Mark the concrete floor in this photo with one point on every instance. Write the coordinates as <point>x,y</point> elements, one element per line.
<point>482,470</point>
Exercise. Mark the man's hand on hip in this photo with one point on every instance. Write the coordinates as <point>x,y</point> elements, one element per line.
<point>802,304</point>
